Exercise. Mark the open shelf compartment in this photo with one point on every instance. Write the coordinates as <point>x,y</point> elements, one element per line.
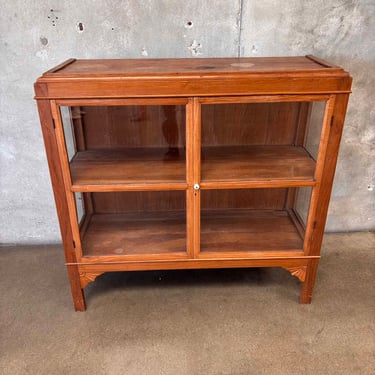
<point>128,168</point>
<point>265,164</point>
<point>272,144</point>
<point>126,147</point>
<point>134,224</point>
<point>247,222</point>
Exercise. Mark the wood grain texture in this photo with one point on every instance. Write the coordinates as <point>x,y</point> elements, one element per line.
<point>139,201</point>
<point>309,281</point>
<point>299,272</point>
<point>191,163</point>
<point>66,180</point>
<point>134,126</point>
<point>248,230</point>
<point>106,170</point>
<point>142,233</point>
<point>179,67</point>
<point>257,163</point>
<point>110,169</point>
<point>249,123</point>
<point>194,77</point>
<point>256,261</point>
<point>87,278</point>
<point>325,174</point>
<point>54,165</point>
<point>319,174</point>
<point>255,199</point>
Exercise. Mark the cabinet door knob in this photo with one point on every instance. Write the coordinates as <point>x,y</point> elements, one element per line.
<point>196,187</point>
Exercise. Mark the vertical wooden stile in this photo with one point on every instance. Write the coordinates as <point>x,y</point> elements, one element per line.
<point>60,139</point>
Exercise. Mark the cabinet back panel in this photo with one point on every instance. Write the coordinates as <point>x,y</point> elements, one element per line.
<point>139,201</point>
<point>250,123</point>
<point>273,199</point>
<point>133,126</point>
<point>176,200</point>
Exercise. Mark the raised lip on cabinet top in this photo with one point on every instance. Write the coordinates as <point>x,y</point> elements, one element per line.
<point>90,68</point>
<point>191,77</point>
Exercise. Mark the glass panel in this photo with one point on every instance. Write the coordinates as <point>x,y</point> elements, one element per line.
<point>80,207</point>
<point>260,141</point>
<point>110,145</point>
<point>313,131</point>
<point>248,220</point>
<point>135,223</point>
<point>66,117</point>
<point>302,203</point>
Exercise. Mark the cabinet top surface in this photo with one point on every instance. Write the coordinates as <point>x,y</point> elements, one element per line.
<point>191,66</point>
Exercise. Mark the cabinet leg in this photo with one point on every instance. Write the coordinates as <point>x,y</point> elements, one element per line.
<point>75,286</point>
<point>308,284</point>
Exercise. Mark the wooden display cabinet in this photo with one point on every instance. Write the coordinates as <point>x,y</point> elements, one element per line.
<point>192,163</point>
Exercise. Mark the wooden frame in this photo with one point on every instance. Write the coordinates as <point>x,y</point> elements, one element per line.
<point>211,191</point>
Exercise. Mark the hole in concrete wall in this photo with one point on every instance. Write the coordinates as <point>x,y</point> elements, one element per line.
<point>195,48</point>
<point>43,40</point>
<point>189,24</point>
<point>52,17</point>
<point>80,27</point>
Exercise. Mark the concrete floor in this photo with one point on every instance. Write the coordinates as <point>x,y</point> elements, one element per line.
<point>190,322</point>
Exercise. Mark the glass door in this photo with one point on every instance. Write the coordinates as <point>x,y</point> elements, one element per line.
<point>258,169</point>
<point>125,165</point>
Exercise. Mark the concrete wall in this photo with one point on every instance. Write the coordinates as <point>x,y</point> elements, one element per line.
<point>36,35</point>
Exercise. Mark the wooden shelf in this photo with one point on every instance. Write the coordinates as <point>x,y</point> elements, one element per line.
<point>227,232</point>
<point>256,166</point>
<point>135,234</point>
<point>124,169</point>
<point>121,169</point>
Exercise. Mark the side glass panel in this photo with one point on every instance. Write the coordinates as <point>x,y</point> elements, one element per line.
<point>247,142</point>
<point>80,206</point>
<point>132,144</point>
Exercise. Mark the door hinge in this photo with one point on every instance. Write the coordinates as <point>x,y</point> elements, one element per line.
<point>314,224</point>
<point>74,244</point>
<point>332,119</point>
<point>54,123</point>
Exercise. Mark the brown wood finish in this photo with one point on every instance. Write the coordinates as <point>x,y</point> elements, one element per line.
<point>66,178</point>
<point>195,189</point>
<point>121,168</point>
<point>239,231</point>
<point>191,163</point>
<point>54,165</point>
<point>268,164</point>
<point>179,67</point>
<point>139,201</point>
<point>191,209</point>
<point>136,233</point>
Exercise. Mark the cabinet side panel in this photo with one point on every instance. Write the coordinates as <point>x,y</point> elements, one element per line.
<point>60,200</point>
<point>56,177</point>
<point>319,215</point>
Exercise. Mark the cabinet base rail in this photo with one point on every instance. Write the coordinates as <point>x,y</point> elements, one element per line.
<point>304,269</point>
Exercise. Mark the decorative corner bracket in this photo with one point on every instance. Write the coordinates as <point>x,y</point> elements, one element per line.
<point>299,272</point>
<point>87,278</point>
